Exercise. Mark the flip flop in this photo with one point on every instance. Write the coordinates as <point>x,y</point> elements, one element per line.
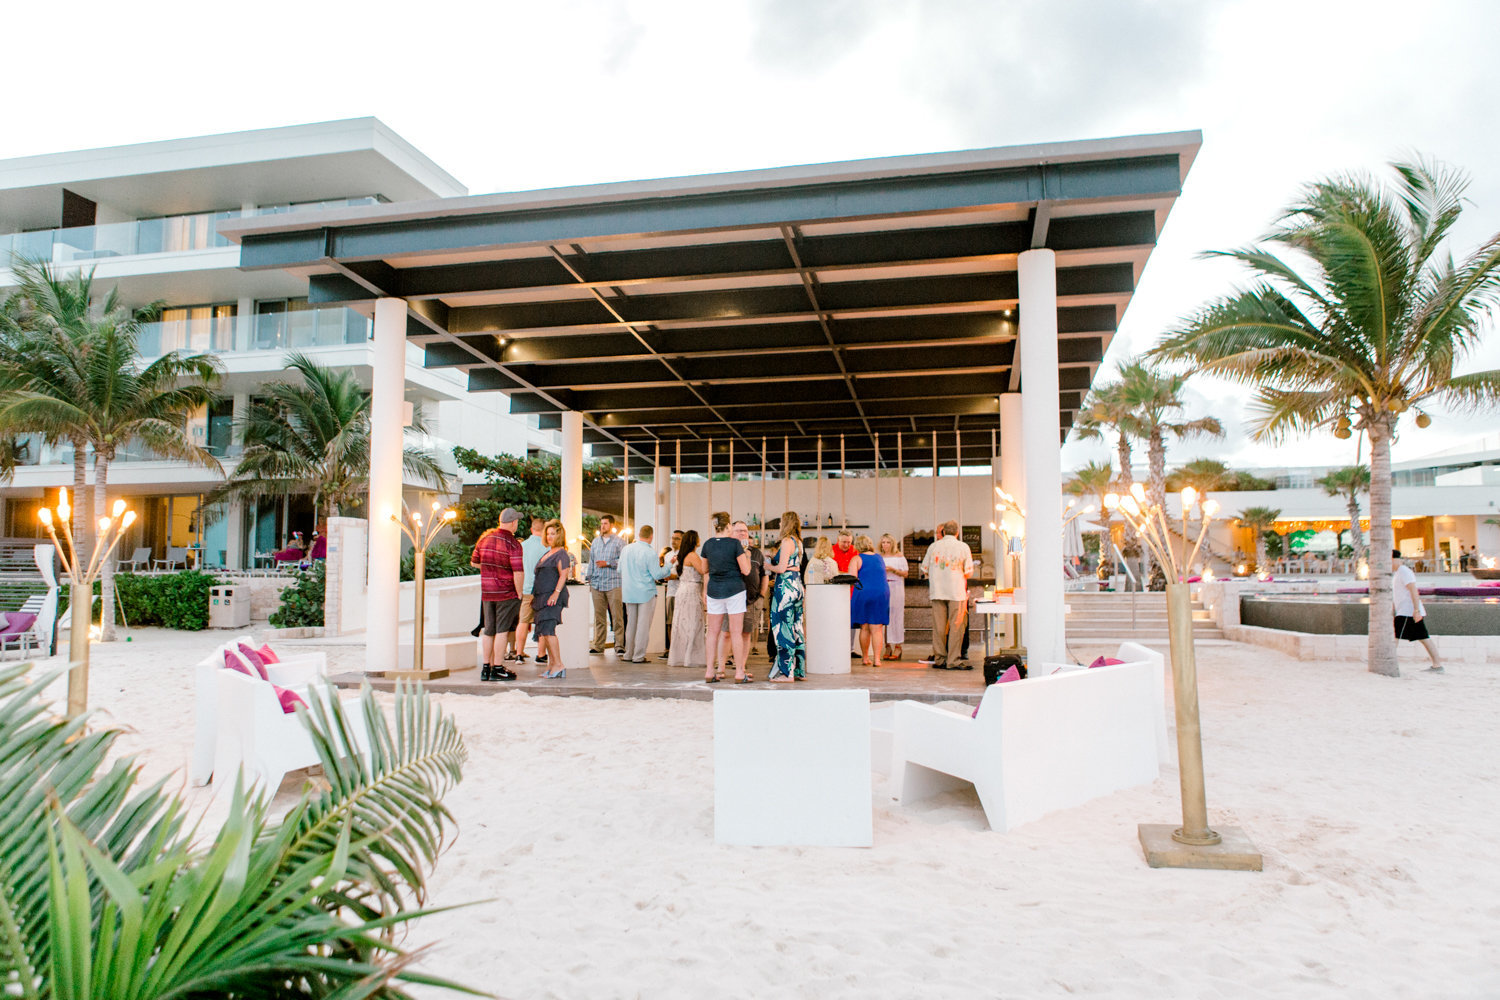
<point>710,680</point>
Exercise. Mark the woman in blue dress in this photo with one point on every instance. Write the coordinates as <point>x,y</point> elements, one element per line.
<point>787,622</point>
<point>549,595</point>
<point>870,605</point>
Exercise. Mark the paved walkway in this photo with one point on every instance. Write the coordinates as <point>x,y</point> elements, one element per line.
<point>607,677</point>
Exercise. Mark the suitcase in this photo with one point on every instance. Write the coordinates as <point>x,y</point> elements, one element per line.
<point>1002,661</point>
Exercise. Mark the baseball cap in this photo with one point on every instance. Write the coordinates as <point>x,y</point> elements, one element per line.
<point>509,514</point>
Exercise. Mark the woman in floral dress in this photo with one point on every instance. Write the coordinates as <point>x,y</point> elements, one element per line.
<point>787,616</point>
<point>688,636</point>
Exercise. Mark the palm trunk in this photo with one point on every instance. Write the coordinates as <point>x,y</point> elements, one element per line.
<point>82,522</point>
<point>1122,449</point>
<point>1260,549</point>
<point>1356,538</point>
<point>107,567</point>
<point>1382,538</point>
<point>1156,481</point>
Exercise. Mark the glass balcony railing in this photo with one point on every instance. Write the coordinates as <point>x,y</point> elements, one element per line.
<point>173,234</point>
<point>298,329</point>
<point>193,336</point>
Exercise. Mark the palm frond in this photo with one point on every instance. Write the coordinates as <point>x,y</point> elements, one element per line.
<point>1276,413</point>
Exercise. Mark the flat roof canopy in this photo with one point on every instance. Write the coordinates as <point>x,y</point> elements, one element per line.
<point>856,299</point>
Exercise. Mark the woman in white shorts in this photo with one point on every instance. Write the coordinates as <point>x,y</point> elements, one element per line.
<point>728,562</point>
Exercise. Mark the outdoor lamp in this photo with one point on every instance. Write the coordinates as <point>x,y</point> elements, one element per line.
<point>1189,497</point>
<point>1111,501</point>
<point>420,540</point>
<point>1138,491</point>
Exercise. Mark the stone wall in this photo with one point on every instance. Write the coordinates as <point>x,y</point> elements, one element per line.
<point>1355,648</point>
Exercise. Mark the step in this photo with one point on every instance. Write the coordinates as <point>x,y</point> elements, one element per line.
<point>451,652</point>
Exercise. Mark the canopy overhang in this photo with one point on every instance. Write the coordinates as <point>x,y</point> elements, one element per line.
<point>848,303</point>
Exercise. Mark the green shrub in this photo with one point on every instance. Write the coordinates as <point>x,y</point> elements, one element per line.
<point>170,600</point>
<point>302,602</point>
<point>450,558</point>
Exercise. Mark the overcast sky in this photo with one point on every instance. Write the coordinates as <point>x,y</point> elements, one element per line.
<point>509,95</point>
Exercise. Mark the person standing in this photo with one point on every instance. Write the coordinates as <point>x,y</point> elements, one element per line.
<point>640,571</point>
<point>687,616</point>
<point>896,570</point>
<point>1410,612</point>
<point>604,586</point>
<point>821,567</point>
<point>844,551</point>
<point>870,604</point>
<point>531,550</point>
<point>788,623</point>
<point>502,574</point>
<point>728,562</point>
<point>550,596</point>
<point>948,566</point>
<point>754,586</point>
<point>669,560</point>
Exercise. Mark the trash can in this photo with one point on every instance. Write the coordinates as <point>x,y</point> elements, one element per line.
<point>228,607</point>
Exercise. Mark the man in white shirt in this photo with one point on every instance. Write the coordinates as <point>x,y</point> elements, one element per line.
<point>948,566</point>
<point>669,560</point>
<point>1409,610</point>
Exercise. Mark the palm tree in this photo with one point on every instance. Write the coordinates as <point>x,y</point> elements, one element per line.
<point>1349,483</point>
<point>1365,321</point>
<point>80,378</point>
<point>313,438</point>
<point>1094,481</point>
<point>1203,474</point>
<point>1155,397</point>
<point>1106,412</point>
<point>1259,520</point>
<point>101,881</point>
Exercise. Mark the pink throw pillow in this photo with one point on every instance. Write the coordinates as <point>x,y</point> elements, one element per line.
<point>1104,661</point>
<point>252,656</point>
<point>1011,674</point>
<point>267,656</point>
<point>234,661</point>
<point>289,700</point>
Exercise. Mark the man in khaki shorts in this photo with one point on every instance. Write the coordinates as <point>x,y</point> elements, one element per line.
<point>532,549</point>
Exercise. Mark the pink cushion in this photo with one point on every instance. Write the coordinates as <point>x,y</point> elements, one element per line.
<point>1104,661</point>
<point>257,662</point>
<point>289,699</point>
<point>267,656</point>
<point>1011,674</point>
<point>235,661</point>
<point>17,622</point>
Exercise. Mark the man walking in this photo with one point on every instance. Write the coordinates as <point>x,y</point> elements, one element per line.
<point>1406,600</point>
<point>640,571</point>
<point>502,574</point>
<point>531,550</point>
<point>604,586</point>
<point>948,566</point>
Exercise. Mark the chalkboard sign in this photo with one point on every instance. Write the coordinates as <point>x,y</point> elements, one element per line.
<point>972,538</point>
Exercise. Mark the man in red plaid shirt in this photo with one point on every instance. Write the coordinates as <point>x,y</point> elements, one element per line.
<point>501,572</point>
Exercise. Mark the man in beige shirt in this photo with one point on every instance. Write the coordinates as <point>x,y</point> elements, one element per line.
<point>948,566</point>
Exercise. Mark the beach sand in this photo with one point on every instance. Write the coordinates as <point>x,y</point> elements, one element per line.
<point>585,843</point>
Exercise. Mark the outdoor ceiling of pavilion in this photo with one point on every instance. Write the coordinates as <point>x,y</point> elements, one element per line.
<point>852,300</point>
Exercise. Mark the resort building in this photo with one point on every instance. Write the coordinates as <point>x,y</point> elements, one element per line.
<point>145,219</point>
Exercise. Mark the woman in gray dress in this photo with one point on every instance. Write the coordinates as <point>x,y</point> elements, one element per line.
<point>688,635</point>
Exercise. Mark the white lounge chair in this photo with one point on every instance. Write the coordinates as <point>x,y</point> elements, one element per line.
<point>1060,738</point>
<point>176,556</point>
<point>255,736</point>
<point>299,672</point>
<point>139,560</point>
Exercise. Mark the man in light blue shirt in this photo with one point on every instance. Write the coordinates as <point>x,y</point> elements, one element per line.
<point>640,572</point>
<point>531,550</point>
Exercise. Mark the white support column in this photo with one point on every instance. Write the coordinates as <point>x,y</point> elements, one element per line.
<point>1012,467</point>
<point>387,398</point>
<point>664,516</point>
<point>1045,623</point>
<point>572,480</point>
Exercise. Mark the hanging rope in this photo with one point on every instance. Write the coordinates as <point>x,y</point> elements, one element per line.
<point>761,528</point>
<point>731,478</point>
<point>710,476</point>
<point>786,471</point>
<point>658,491</point>
<point>958,492</point>
<point>876,522</point>
<point>626,477</point>
<point>818,507</point>
<point>677,485</point>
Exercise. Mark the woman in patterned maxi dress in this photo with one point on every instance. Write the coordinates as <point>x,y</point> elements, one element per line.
<point>787,616</point>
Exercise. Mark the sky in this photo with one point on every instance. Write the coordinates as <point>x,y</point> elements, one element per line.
<point>509,96</point>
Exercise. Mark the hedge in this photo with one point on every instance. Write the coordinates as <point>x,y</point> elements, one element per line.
<point>170,600</point>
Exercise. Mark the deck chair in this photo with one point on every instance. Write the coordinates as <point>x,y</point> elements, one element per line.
<point>138,561</point>
<point>176,556</point>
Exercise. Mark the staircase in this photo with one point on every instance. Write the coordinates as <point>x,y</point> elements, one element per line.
<point>1116,617</point>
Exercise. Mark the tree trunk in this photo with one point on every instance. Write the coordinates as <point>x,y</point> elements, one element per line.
<point>1356,538</point>
<point>1260,549</point>
<point>1122,449</point>
<point>1156,483</point>
<point>1382,539</point>
<point>107,567</point>
<point>82,523</point>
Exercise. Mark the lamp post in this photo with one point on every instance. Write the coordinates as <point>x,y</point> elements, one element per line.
<point>81,587</point>
<point>421,538</point>
<point>1194,844</point>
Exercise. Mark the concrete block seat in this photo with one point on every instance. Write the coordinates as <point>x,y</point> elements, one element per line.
<point>1060,738</point>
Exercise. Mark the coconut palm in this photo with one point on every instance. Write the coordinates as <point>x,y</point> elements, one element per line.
<point>1259,520</point>
<point>1094,481</point>
<point>1155,398</point>
<point>1203,474</point>
<point>1365,319</point>
<point>79,377</point>
<point>106,889</point>
<point>313,438</point>
<point>1106,413</point>
<point>1349,483</point>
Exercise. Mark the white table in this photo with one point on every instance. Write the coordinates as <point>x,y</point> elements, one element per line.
<point>1010,607</point>
<point>827,628</point>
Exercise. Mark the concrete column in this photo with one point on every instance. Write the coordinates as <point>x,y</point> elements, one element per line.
<point>387,395</point>
<point>1012,468</point>
<point>661,482</point>
<point>1045,622</point>
<point>573,634</point>
<point>244,324</point>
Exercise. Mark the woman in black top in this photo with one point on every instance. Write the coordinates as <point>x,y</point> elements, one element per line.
<point>728,562</point>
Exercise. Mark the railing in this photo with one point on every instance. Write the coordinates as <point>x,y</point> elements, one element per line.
<point>192,336</point>
<point>291,330</point>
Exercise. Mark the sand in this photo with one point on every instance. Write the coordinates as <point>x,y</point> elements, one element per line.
<point>586,836</point>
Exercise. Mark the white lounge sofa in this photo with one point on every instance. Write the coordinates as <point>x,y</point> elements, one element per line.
<point>296,671</point>
<point>1061,737</point>
<point>254,735</point>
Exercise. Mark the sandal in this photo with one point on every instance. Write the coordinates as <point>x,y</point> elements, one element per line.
<point>710,680</point>
<point>744,680</point>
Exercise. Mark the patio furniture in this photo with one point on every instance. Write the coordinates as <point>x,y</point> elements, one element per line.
<point>298,672</point>
<point>139,560</point>
<point>824,799</point>
<point>256,736</point>
<point>176,556</point>
<point>1063,736</point>
<point>21,629</point>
